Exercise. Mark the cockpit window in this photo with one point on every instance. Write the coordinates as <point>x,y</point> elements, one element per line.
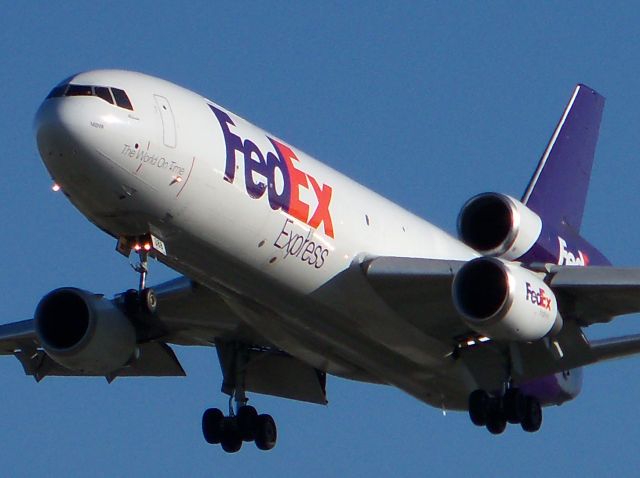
<point>122,99</point>
<point>79,90</point>
<point>58,91</point>
<point>104,93</point>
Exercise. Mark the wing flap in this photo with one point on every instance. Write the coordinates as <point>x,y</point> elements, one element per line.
<point>281,375</point>
<point>154,360</point>
<point>271,372</point>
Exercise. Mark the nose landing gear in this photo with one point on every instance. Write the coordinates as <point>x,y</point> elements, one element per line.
<point>147,299</point>
<point>144,300</point>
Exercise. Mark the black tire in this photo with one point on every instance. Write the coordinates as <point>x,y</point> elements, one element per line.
<point>479,407</point>
<point>496,422</point>
<point>514,405</point>
<point>212,425</point>
<point>532,420</point>
<point>266,432</point>
<point>246,417</point>
<point>231,440</point>
<point>149,301</point>
<point>131,302</point>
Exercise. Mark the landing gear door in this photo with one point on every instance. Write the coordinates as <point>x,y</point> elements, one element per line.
<point>168,121</point>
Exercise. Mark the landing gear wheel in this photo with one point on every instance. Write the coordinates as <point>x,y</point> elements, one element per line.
<point>479,407</point>
<point>532,419</point>
<point>132,301</point>
<point>266,432</point>
<point>231,440</point>
<point>514,405</point>
<point>496,422</point>
<point>212,425</point>
<point>246,417</point>
<point>149,301</point>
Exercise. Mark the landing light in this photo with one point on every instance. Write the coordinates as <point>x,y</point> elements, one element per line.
<point>471,341</point>
<point>55,188</point>
<point>175,179</point>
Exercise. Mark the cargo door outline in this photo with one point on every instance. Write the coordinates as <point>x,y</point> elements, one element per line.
<point>168,121</point>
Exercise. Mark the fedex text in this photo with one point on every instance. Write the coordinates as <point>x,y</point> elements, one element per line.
<point>566,257</point>
<point>539,297</point>
<point>276,173</point>
<point>301,246</point>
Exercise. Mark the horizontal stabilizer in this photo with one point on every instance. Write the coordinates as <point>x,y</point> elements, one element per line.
<point>596,294</point>
<point>607,349</point>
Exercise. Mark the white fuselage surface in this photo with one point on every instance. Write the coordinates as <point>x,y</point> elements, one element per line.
<point>275,232</point>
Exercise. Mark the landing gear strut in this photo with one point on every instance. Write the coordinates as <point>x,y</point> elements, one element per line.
<point>513,407</point>
<point>144,299</point>
<point>243,424</point>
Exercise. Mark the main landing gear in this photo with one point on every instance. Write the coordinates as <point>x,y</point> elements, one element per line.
<point>513,407</point>
<point>244,424</point>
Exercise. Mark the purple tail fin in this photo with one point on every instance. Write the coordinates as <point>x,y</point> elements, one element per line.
<point>558,189</point>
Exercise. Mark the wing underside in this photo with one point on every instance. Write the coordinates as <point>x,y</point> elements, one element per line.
<point>419,290</point>
<point>190,315</point>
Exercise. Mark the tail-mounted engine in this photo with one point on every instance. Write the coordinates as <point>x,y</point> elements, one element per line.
<point>84,332</point>
<point>498,225</point>
<point>505,301</point>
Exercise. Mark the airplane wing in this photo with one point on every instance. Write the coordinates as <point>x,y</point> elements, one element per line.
<point>596,294</point>
<point>19,339</point>
<point>190,315</point>
<point>419,290</point>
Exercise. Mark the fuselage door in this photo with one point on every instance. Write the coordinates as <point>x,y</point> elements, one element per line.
<point>168,121</point>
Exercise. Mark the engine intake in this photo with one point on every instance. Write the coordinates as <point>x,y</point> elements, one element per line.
<point>498,225</point>
<point>505,301</point>
<point>84,332</point>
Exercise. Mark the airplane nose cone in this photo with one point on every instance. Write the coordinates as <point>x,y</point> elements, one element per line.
<point>51,131</point>
<point>65,138</point>
<point>67,145</point>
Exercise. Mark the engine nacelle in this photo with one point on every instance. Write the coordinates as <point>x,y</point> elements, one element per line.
<point>84,332</point>
<point>505,301</point>
<point>498,225</point>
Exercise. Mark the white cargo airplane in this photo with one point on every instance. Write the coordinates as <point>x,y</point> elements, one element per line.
<point>292,271</point>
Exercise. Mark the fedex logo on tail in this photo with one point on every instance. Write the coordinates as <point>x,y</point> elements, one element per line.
<point>539,298</point>
<point>275,173</point>
<point>566,257</point>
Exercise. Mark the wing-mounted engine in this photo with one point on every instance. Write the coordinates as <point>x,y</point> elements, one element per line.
<point>84,332</point>
<point>505,301</point>
<point>498,225</point>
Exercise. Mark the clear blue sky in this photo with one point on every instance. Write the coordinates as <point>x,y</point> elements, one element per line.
<point>427,103</point>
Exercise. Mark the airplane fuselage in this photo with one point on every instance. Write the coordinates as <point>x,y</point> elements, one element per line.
<point>274,231</point>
